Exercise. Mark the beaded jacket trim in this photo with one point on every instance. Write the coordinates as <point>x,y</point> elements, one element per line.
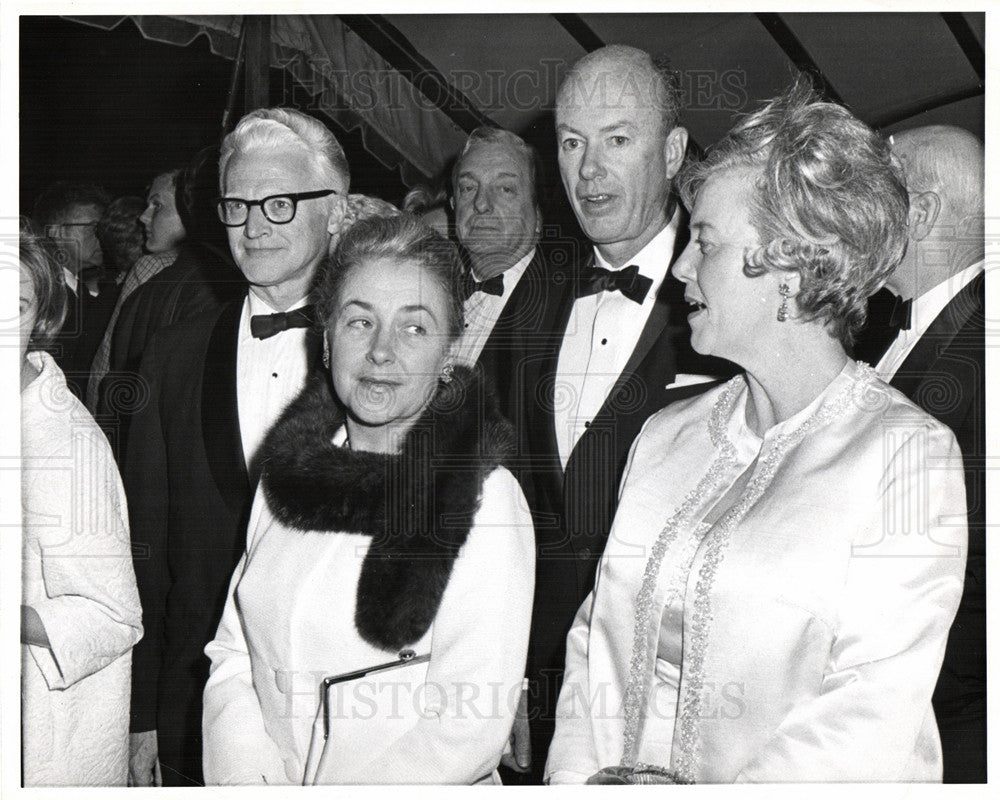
<point>682,522</point>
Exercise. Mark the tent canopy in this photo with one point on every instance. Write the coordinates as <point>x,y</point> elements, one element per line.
<point>417,84</point>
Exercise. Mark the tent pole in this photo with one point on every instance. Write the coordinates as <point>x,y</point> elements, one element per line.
<point>257,89</point>
<point>227,115</point>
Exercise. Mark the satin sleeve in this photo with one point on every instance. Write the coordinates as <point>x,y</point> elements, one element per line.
<point>236,748</point>
<point>572,755</point>
<point>478,648</point>
<point>871,716</point>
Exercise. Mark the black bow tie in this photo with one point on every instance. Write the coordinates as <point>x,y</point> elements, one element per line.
<point>628,281</point>
<point>264,326</point>
<point>901,312</point>
<point>492,285</point>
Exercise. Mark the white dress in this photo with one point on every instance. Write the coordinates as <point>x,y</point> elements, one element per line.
<point>813,615</point>
<point>77,574</point>
<point>289,622</point>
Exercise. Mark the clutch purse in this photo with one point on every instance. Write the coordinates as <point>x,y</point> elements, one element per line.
<point>404,659</point>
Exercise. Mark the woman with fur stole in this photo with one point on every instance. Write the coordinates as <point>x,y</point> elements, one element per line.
<point>386,530</point>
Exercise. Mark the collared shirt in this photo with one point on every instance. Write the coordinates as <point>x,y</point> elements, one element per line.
<point>482,311</point>
<point>602,331</point>
<point>145,268</point>
<point>269,374</point>
<point>924,311</point>
<point>71,280</point>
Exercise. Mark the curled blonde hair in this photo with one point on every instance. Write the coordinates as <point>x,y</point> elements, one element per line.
<point>830,202</point>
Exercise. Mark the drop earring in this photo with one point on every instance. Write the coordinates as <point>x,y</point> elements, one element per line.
<point>447,373</point>
<point>326,353</point>
<point>784,291</point>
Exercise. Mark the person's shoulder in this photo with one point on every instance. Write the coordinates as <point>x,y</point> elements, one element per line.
<point>692,409</point>
<point>888,407</point>
<point>54,418</point>
<point>500,481</point>
<point>180,341</point>
<point>501,498</point>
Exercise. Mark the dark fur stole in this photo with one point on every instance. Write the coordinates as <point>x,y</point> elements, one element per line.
<point>417,506</point>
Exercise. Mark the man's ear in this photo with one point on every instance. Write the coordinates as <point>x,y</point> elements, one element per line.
<point>674,149</point>
<point>338,214</point>
<point>924,210</point>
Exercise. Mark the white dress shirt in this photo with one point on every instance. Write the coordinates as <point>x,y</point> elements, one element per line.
<point>482,311</point>
<point>924,311</point>
<point>269,374</point>
<point>601,334</point>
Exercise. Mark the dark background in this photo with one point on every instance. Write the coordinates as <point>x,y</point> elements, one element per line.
<point>115,109</point>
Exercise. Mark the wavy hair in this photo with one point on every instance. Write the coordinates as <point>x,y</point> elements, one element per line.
<point>830,202</point>
<point>404,238</point>
<point>273,129</point>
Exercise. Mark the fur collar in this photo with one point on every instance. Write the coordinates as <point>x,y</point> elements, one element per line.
<point>417,506</point>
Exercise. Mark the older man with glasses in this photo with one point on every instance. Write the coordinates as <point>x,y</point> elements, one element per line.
<point>214,386</point>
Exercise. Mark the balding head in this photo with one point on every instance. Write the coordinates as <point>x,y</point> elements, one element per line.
<point>944,171</point>
<point>607,75</point>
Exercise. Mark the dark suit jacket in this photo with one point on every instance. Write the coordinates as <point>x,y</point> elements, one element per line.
<point>573,511</point>
<point>944,374</point>
<point>200,280</point>
<point>189,498</point>
<point>81,333</point>
<point>525,332</point>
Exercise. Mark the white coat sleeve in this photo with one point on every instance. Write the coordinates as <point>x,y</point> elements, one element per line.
<point>479,644</point>
<point>78,520</point>
<point>903,585</point>
<point>236,747</point>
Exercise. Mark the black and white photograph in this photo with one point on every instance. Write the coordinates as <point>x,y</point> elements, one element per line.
<point>497,396</point>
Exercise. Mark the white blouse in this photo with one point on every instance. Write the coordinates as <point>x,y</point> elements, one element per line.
<point>815,611</point>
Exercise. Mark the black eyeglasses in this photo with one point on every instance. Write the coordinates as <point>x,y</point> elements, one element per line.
<point>278,208</point>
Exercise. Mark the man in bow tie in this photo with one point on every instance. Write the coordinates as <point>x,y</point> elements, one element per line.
<point>215,384</point>
<point>623,340</point>
<point>509,283</point>
<point>937,360</point>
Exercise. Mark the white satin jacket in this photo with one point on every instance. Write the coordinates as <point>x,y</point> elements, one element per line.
<point>816,610</point>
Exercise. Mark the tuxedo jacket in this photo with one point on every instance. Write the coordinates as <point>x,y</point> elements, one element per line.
<point>201,280</point>
<point>189,498</point>
<point>944,374</point>
<point>81,333</point>
<point>524,334</point>
<point>572,510</point>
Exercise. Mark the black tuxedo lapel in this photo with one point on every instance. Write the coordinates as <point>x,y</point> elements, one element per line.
<point>921,367</point>
<point>655,326</point>
<point>521,310</point>
<point>220,421</point>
